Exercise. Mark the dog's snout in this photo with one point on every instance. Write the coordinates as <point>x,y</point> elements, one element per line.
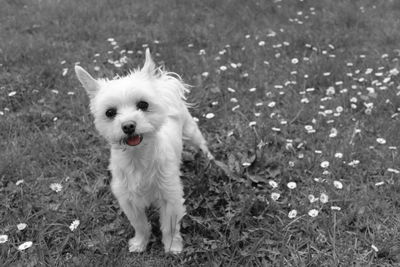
<point>129,127</point>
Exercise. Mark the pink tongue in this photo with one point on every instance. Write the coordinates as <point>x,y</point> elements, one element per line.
<point>134,140</point>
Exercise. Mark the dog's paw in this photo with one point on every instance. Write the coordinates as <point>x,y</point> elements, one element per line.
<point>207,152</point>
<point>137,244</point>
<point>210,156</point>
<point>175,246</point>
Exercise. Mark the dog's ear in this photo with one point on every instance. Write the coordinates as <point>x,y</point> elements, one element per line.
<point>89,83</point>
<point>149,66</point>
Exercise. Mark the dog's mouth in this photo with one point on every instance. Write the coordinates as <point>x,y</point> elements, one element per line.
<point>133,140</point>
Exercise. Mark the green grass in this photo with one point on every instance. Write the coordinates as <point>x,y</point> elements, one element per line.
<point>47,134</point>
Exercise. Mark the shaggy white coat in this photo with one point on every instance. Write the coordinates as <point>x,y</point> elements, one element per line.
<point>148,173</point>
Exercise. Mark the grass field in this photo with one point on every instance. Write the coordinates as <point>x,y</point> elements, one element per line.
<point>300,99</point>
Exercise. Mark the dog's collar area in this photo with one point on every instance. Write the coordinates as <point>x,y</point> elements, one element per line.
<point>133,140</point>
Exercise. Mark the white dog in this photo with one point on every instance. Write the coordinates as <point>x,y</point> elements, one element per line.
<point>145,119</point>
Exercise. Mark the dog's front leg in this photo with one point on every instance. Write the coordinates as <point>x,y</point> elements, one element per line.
<point>134,209</point>
<point>137,217</point>
<point>135,213</point>
<point>171,212</point>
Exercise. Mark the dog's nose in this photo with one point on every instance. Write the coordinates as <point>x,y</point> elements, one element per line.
<point>129,127</point>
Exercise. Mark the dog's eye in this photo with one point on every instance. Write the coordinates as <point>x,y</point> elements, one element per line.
<point>111,112</point>
<point>142,105</point>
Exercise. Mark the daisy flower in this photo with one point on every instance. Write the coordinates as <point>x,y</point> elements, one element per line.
<point>210,115</point>
<point>338,184</point>
<point>292,214</point>
<point>273,184</point>
<point>275,196</point>
<point>381,141</point>
<point>3,238</point>
<point>291,185</point>
<point>25,245</point>
<point>74,225</point>
<point>313,213</point>
<point>21,226</point>
<point>56,187</point>
<point>323,198</point>
<point>325,164</point>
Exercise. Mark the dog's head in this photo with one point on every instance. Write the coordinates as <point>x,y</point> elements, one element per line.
<point>129,111</point>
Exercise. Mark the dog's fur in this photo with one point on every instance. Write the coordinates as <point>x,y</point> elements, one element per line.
<point>148,171</point>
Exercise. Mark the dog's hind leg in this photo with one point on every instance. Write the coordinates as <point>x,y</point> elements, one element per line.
<point>192,134</point>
